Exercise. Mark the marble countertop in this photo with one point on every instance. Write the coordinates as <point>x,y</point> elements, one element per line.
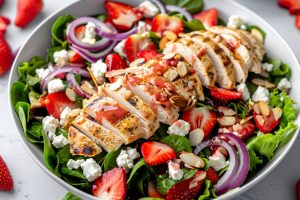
<point>31,183</point>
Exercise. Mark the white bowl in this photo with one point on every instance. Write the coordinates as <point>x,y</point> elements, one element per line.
<point>40,40</point>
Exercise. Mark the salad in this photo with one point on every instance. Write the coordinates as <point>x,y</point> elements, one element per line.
<point>155,101</point>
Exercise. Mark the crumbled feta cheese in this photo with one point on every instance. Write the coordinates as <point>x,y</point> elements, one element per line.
<point>126,157</point>
<point>174,170</point>
<point>64,114</point>
<point>89,34</point>
<point>42,72</point>
<point>99,68</point>
<point>74,164</point>
<point>235,21</point>
<point>243,27</point>
<point>261,94</point>
<point>55,85</point>
<point>217,161</point>
<point>242,88</point>
<point>267,66</point>
<point>119,48</point>
<point>149,9</point>
<point>49,126</point>
<point>60,141</point>
<point>143,27</point>
<point>180,127</point>
<point>91,169</point>
<point>284,84</point>
<point>60,57</point>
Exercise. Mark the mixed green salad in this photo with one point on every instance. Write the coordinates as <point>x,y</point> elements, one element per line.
<point>225,131</point>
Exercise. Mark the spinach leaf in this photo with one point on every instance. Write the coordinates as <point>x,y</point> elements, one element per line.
<point>178,143</point>
<point>161,132</point>
<point>139,166</point>
<point>206,193</point>
<point>70,196</point>
<point>18,92</point>
<point>64,154</point>
<point>221,22</point>
<point>62,131</point>
<point>34,133</point>
<point>74,172</point>
<point>29,67</point>
<point>192,6</point>
<point>50,158</point>
<point>23,111</point>
<point>193,25</point>
<point>58,29</point>
<point>110,160</point>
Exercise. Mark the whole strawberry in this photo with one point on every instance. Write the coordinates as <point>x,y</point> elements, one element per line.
<point>6,56</point>
<point>27,11</point>
<point>298,189</point>
<point>6,181</point>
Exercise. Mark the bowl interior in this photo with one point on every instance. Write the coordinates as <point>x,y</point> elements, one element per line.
<point>40,40</point>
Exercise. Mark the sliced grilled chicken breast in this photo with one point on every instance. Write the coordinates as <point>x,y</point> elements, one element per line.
<point>81,145</point>
<point>109,113</point>
<point>203,65</point>
<point>105,138</point>
<point>134,104</point>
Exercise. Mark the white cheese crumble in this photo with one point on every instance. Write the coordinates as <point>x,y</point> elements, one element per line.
<point>126,157</point>
<point>235,21</point>
<point>217,161</point>
<point>284,84</point>
<point>174,170</point>
<point>50,125</point>
<point>60,57</point>
<point>180,127</point>
<point>91,169</point>
<point>64,115</point>
<point>42,72</point>
<point>89,34</point>
<point>267,66</point>
<point>119,48</point>
<point>60,141</point>
<point>55,85</point>
<point>261,94</point>
<point>242,88</point>
<point>143,27</point>
<point>74,164</point>
<point>149,9</point>
<point>99,68</point>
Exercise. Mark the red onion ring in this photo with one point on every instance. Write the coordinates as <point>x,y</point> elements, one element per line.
<point>59,70</point>
<point>160,6</point>
<point>116,36</point>
<point>180,10</point>
<point>225,180</point>
<point>71,79</point>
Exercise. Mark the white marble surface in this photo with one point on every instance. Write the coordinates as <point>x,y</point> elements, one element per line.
<point>33,184</point>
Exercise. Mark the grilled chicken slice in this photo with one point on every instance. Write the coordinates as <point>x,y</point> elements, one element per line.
<point>105,138</point>
<point>203,65</point>
<point>81,145</point>
<point>154,96</point>
<point>221,62</point>
<point>134,104</point>
<point>114,117</point>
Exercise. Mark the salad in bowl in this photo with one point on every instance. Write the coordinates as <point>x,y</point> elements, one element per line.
<point>155,101</point>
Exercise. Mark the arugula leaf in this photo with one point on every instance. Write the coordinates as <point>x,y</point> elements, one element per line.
<point>178,143</point>
<point>70,196</point>
<point>19,92</point>
<point>58,29</point>
<point>110,160</point>
<point>192,6</point>
<point>206,193</point>
<point>29,67</point>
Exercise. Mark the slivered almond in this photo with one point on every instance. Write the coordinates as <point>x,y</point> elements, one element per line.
<point>264,83</point>
<point>226,111</point>
<point>162,43</point>
<point>264,108</point>
<point>179,101</point>
<point>277,113</point>
<point>87,87</point>
<point>70,94</point>
<point>93,77</point>
<point>182,69</point>
<point>170,35</point>
<point>256,108</point>
<point>191,159</point>
<point>171,74</point>
<point>260,120</point>
<point>246,119</point>
<point>226,120</point>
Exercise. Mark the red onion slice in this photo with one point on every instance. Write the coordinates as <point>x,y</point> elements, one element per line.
<point>71,79</point>
<point>116,36</point>
<point>180,10</point>
<point>59,70</point>
<point>160,6</point>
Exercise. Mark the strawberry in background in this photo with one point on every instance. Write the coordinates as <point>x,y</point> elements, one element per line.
<point>294,9</point>
<point>6,56</point>
<point>27,11</point>
<point>6,181</point>
<point>1,3</point>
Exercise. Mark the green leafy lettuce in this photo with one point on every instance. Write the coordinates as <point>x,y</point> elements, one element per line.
<point>206,192</point>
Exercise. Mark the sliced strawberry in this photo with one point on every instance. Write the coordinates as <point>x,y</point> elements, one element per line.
<point>294,8</point>
<point>6,181</point>
<point>148,54</point>
<point>4,22</point>
<point>135,44</point>
<point>268,123</point>
<point>6,56</point>
<point>285,3</point>
<point>79,31</point>
<point>200,118</point>
<point>224,95</point>
<point>111,185</point>
<point>114,61</point>
<point>27,11</point>
<point>298,189</point>
<point>152,192</point>
<point>212,175</point>
<point>74,57</point>
<point>208,17</point>
<point>57,102</point>
<point>122,15</point>
<point>157,153</point>
<point>164,22</point>
<point>187,189</point>
<point>297,22</point>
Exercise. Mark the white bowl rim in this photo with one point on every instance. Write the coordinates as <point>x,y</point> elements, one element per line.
<point>228,195</point>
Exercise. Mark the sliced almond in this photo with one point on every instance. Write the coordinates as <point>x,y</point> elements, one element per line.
<point>191,159</point>
<point>260,120</point>
<point>277,113</point>
<point>191,104</point>
<point>256,108</point>
<point>264,83</point>
<point>70,94</point>
<point>226,120</point>
<point>246,119</point>
<point>137,62</point>
<point>226,111</point>
<point>257,34</point>
<point>170,35</point>
<point>264,108</point>
<point>163,42</point>
<point>169,56</point>
<point>87,87</point>
<point>196,136</point>
<point>265,74</point>
<point>237,127</point>
<point>93,77</point>
<point>182,69</point>
<point>171,74</point>
<point>179,101</point>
